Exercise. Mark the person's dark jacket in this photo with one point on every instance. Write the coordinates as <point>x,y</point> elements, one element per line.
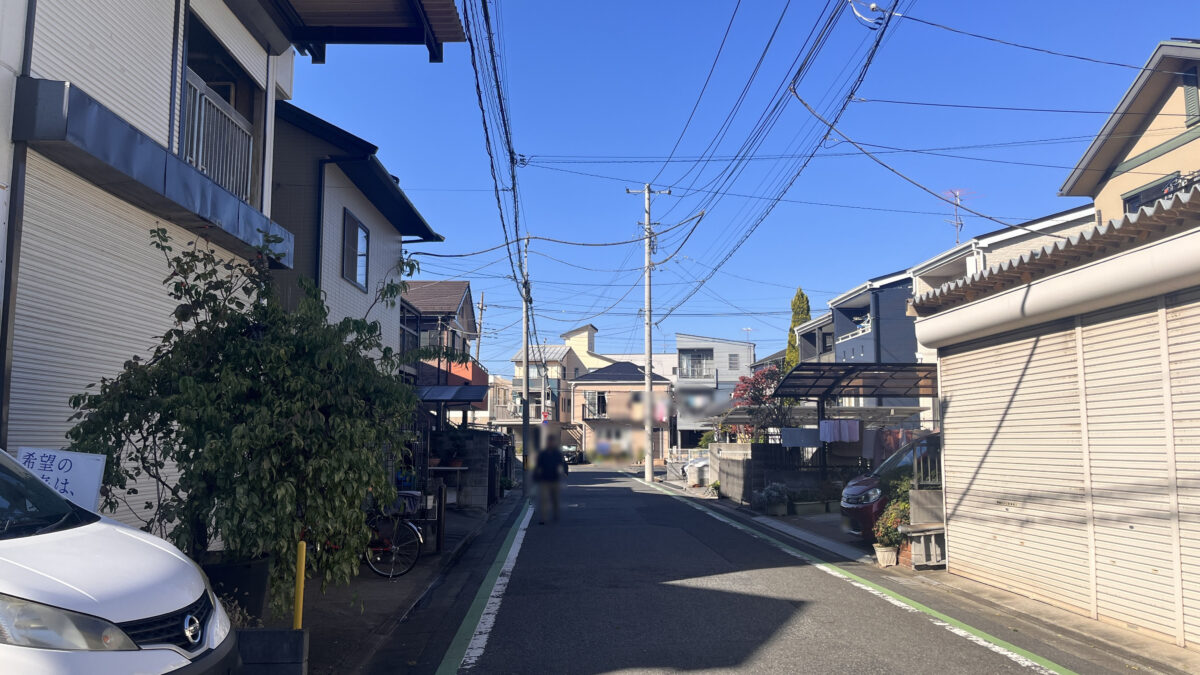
<point>549,463</point>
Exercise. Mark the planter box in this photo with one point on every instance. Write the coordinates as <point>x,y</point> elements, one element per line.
<point>245,581</point>
<point>809,508</point>
<point>779,509</point>
<point>885,556</point>
<point>273,651</point>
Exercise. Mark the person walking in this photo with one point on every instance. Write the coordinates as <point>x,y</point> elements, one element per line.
<point>549,471</point>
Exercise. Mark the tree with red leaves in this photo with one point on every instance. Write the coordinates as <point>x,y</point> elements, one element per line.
<point>755,392</point>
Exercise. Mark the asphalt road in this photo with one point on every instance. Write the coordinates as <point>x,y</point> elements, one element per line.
<point>633,579</point>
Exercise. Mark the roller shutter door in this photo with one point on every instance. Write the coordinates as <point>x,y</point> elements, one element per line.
<point>1014,482</point>
<point>1127,441</point>
<point>89,297</point>
<point>1183,336</point>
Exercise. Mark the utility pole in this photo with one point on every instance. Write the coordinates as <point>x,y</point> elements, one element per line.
<point>478,340</point>
<point>526,448</point>
<point>648,401</point>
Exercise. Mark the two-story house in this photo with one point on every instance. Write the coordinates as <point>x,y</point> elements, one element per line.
<point>446,321</point>
<point>1068,378</point>
<point>707,372</point>
<point>610,408</point>
<point>132,115</point>
<point>815,339</point>
<point>350,222</point>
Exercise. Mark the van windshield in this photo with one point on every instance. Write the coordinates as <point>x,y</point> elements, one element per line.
<point>28,506</point>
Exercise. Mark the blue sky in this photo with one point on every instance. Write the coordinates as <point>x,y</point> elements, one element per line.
<point>605,90</point>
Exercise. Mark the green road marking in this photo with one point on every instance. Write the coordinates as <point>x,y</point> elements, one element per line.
<point>458,646</point>
<point>953,624</point>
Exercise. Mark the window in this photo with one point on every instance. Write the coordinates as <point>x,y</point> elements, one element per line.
<point>356,240</point>
<point>1148,194</point>
<point>733,362</point>
<point>577,373</point>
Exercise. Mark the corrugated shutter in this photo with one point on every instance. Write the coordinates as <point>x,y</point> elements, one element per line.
<point>1183,337</point>
<point>118,51</point>
<point>89,297</point>
<point>226,27</point>
<point>1014,483</point>
<point>1129,470</point>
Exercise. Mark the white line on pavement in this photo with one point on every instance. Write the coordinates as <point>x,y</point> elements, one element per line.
<point>488,618</point>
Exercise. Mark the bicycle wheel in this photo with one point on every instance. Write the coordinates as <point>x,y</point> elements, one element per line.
<point>394,548</point>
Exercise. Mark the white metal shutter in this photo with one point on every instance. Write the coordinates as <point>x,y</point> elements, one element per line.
<point>1183,337</point>
<point>1014,484</point>
<point>89,297</point>
<point>1129,471</point>
<point>234,36</point>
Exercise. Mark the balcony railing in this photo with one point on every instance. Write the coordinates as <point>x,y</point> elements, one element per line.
<point>696,373</point>
<point>593,413</point>
<point>217,140</point>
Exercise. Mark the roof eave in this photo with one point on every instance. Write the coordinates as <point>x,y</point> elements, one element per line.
<point>1092,167</point>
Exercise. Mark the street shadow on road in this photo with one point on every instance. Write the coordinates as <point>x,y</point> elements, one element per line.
<point>631,578</point>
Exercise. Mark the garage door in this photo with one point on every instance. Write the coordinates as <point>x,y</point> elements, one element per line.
<point>89,297</point>
<point>1014,482</point>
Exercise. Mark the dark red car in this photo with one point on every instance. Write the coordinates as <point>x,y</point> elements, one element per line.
<point>862,498</point>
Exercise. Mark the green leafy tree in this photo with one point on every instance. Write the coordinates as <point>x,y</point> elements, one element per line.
<point>252,424</point>
<point>800,315</point>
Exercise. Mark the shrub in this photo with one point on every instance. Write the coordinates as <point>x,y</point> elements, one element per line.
<point>775,493</point>
<point>887,528</point>
<point>705,439</point>
<point>253,424</point>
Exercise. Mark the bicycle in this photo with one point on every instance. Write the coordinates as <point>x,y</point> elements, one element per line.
<point>395,545</point>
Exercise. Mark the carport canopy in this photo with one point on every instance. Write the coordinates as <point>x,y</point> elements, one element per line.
<point>825,381</point>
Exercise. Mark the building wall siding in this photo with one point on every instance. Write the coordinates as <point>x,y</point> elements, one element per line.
<point>343,297</point>
<point>118,51</point>
<point>226,27</point>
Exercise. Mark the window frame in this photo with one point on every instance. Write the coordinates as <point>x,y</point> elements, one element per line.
<point>355,231</point>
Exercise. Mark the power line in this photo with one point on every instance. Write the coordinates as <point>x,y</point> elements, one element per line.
<point>1035,49</point>
<point>763,197</point>
<point>1006,108</point>
<point>703,89</point>
<point>913,182</point>
<point>862,74</point>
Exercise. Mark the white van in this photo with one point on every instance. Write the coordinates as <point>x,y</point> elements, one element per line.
<point>80,593</point>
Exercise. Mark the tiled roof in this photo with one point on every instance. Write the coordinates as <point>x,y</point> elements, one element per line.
<point>437,297</point>
<point>552,353</point>
<point>1167,216</point>
<point>623,371</point>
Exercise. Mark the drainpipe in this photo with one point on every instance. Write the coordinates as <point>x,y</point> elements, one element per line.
<point>12,243</point>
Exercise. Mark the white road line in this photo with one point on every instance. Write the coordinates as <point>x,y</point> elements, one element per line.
<point>488,618</point>
<point>836,572</point>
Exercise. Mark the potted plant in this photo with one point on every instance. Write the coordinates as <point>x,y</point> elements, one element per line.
<point>888,537</point>
<point>772,500</point>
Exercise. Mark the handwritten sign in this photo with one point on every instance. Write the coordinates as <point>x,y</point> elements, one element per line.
<point>74,475</point>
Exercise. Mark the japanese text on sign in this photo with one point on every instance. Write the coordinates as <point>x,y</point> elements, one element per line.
<point>74,475</point>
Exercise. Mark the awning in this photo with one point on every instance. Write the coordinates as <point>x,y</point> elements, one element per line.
<point>469,393</point>
<point>824,381</point>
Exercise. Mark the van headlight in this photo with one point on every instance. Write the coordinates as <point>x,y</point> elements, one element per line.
<point>31,624</point>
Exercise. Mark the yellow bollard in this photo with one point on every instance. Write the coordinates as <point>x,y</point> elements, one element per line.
<point>298,609</point>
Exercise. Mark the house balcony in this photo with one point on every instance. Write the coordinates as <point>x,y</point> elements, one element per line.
<point>594,413</point>
<point>217,140</point>
<point>536,383</point>
<point>697,374</point>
